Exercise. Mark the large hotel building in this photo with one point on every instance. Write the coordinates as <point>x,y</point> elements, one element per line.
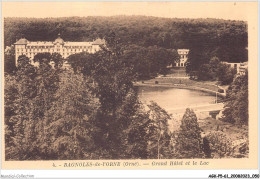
<point>65,49</point>
<point>30,49</point>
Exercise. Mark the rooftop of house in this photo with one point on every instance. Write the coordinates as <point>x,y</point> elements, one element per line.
<point>60,41</point>
<point>184,50</point>
<point>99,42</point>
<point>22,41</point>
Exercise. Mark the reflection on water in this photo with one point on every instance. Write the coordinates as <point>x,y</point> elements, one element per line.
<point>170,98</point>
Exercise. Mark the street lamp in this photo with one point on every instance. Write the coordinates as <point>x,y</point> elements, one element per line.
<point>217,95</point>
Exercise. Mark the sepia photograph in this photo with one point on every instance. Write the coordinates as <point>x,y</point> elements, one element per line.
<point>104,85</point>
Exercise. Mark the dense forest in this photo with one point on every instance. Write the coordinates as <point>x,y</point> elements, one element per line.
<point>209,37</point>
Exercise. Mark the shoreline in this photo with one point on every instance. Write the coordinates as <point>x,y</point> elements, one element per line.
<point>180,87</point>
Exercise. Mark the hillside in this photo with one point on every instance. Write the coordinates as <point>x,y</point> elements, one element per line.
<point>225,39</point>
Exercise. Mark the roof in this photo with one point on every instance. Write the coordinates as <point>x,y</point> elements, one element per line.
<point>59,40</point>
<point>77,44</point>
<point>40,43</point>
<point>21,41</point>
<point>99,42</point>
<point>183,50</point>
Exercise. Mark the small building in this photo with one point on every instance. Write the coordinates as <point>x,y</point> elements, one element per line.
<point>183,57</point>
<point>233,65</point>
<point>239,67</point>
<point>243,68</point>
<point>65,49</point>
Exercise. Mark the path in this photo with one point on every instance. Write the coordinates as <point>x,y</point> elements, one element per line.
<point>197,108</point>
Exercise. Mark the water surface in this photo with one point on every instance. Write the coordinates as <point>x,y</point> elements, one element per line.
<point>170,98</point>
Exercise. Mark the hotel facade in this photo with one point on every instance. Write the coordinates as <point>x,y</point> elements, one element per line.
<point>65,49</point>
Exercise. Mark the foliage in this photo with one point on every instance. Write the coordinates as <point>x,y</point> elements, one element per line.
<point>147,62</point>
<point>69,121</point>
<point>57,114</point>
<point>188,142</point>
<point>135,135</point>
<point>119,108</point>
<point>19,91</point>
<point>236,106</point>
<point>220,145</point>
<point>33,89</point>
<point>9,60</point>
<point>196,58</point>
<point>11,93</point>
<point>54,59</point>
<point>159,134</point>
<point>205,73</point>
<point>212,70</point>
<point>241,148</point>
<point>225,74</point>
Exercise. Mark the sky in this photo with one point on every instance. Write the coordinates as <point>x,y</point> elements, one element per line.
<point>221,10</point>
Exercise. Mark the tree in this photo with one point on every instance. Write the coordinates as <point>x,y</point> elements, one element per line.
<point>196,58</point>
<point>115,91</point>
<point>159,140</point>
<point>35,90</point>
<point>214,63</point>
<point>57,60</point>
<point>119,112</point>
<point>42,58</point>
<point>225,74</point>
<point>19,92</point>
<point>136,123</point>
<point>220,145</point>
<point>236,105</point>
<point>69,122</point>
<point>11,95</point>
<point>209,71</point>
<point>188,142</point>
<point>54,59</point>
<point>205,72</point>
<point>9,60</point>
<point>148,62</point>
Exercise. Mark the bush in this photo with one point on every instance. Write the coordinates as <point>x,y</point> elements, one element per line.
<point>220,145</point>
<point>241,148</point>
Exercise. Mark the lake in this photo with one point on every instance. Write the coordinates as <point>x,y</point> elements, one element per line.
<point>171,98</point>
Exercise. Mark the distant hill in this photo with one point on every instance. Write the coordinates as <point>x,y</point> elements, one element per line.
<point>227,39</point>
